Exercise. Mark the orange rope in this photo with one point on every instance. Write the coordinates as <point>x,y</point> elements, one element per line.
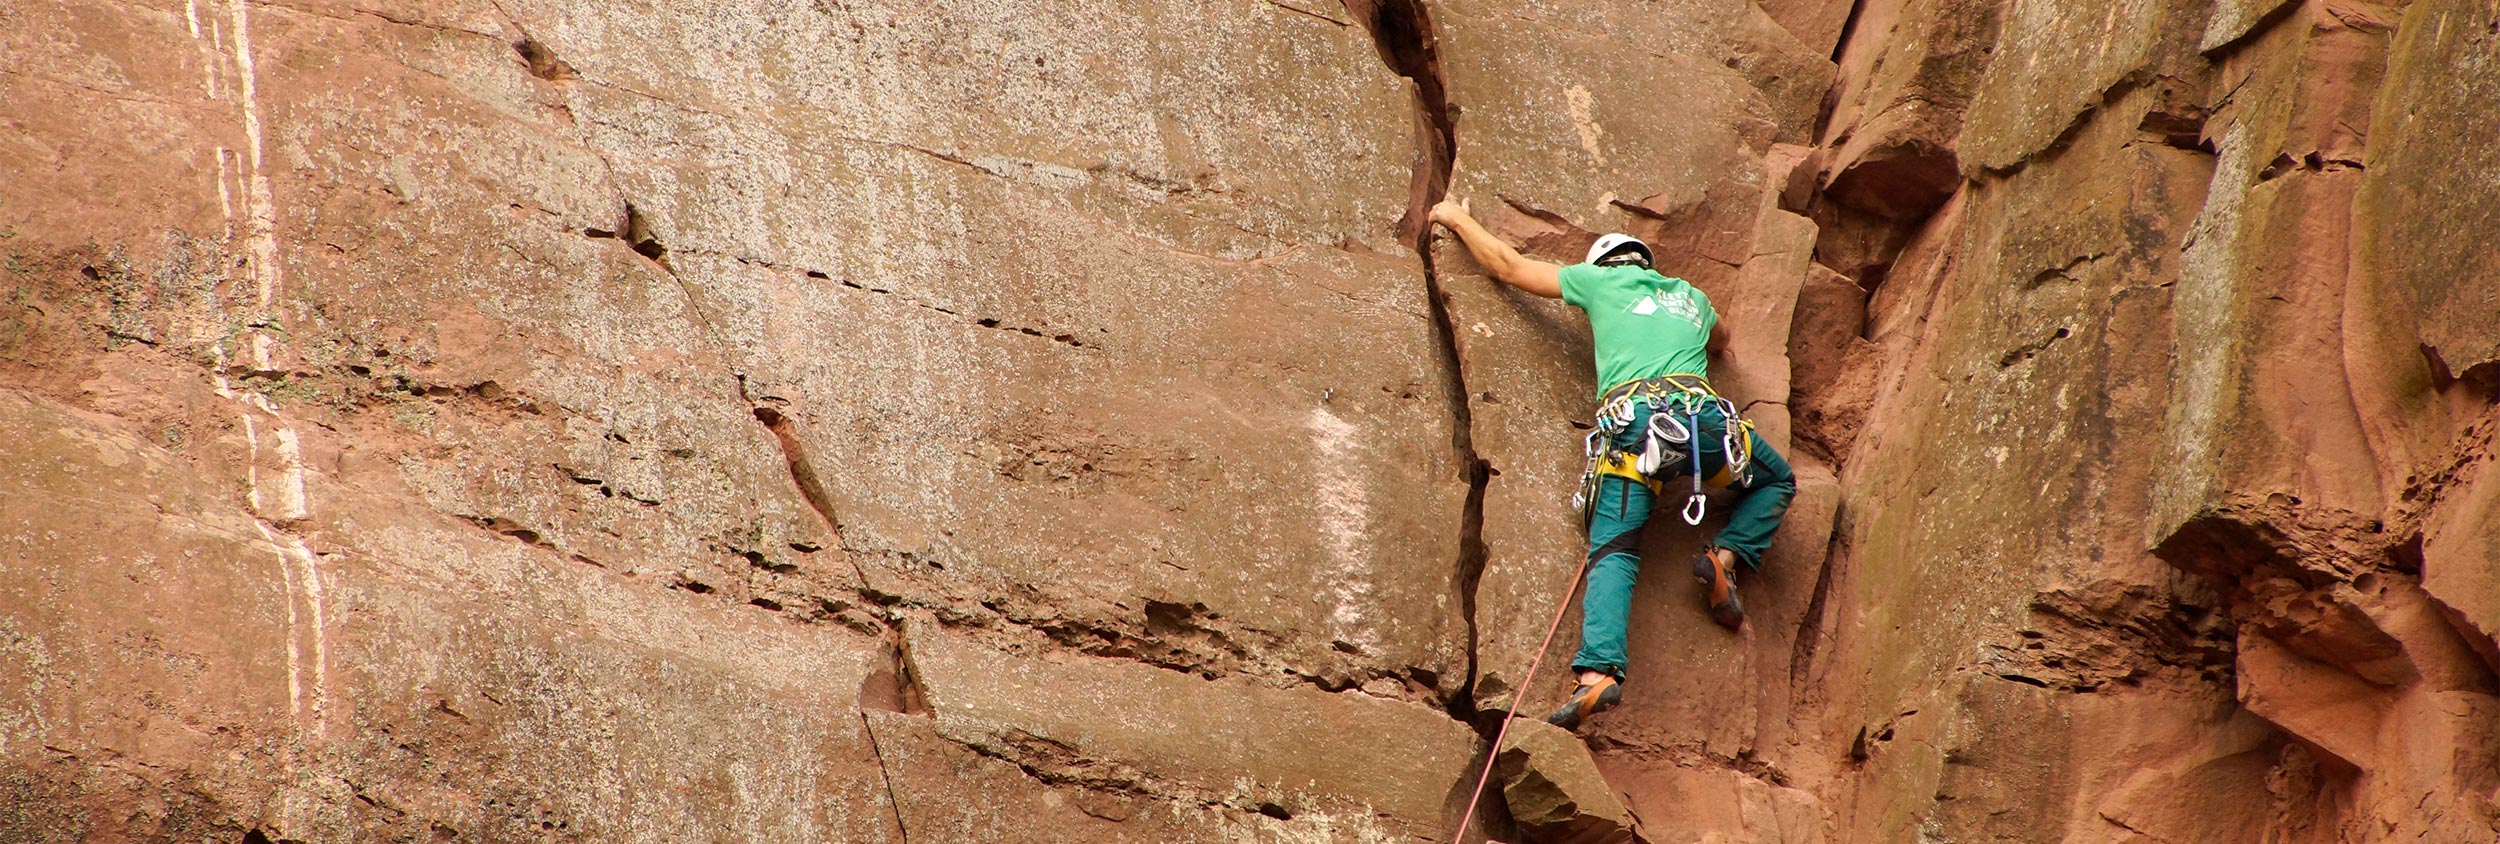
<point>1520,691</point>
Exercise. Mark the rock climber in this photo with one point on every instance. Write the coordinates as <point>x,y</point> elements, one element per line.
<point>1658,420</point>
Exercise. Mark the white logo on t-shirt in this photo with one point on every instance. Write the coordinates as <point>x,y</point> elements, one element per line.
<point>1677,304</point>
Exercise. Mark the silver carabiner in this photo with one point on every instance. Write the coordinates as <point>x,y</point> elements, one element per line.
<point>1693,508</point>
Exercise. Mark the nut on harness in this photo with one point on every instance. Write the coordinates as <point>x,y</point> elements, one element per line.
<point>1676,402</point>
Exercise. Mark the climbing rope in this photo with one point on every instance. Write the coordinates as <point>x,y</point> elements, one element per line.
<point>1521,690</point>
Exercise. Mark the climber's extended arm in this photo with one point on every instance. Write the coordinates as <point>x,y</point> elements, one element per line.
<point>1506,264</point>
<point>1718,337</point>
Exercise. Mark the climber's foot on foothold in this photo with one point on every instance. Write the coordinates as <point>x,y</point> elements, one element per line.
<point>1716,571</point>
<point>1588,699</point>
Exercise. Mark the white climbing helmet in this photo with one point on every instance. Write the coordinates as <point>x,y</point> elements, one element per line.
<point>1618,242</point>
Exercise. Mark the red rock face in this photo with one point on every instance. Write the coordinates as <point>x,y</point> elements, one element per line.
<point>501,421</point>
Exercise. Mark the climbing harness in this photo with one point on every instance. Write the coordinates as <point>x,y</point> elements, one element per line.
<point>1669,440</point>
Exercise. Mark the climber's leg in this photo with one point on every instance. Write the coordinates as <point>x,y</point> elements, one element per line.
<point>1762,500</point>
<point>1762,496</point>
<point>1615,521</point>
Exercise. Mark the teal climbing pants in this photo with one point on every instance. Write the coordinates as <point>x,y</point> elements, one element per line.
<point>1622,506</point>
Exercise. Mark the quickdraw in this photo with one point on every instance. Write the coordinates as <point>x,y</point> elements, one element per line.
<point>1669,440</point>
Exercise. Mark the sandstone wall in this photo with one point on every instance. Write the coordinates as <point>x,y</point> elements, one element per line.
<point>538,420</point>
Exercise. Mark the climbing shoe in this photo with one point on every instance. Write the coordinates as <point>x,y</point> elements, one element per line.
<point>1586,700</point>
<point>1716,570</point>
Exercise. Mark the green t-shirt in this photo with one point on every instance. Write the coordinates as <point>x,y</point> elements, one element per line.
<point>1646,324</point>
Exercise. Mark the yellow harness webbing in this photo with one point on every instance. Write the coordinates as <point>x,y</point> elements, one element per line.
<point>1620,464</point>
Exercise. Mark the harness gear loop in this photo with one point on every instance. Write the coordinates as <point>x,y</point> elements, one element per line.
<point>1668,440</point>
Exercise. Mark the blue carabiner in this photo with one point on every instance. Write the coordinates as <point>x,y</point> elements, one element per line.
<point>1695,506</point>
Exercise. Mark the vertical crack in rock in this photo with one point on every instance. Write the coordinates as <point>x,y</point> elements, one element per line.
<point>1848,28</point>
<point>1812,629</point>
<point>1402,32</point>
<point>634,230</point>
<point>1840,81</point>
<point>892,799</point>
<point>895,686</point>
<point>1472,557</point>
<point>803,473</point>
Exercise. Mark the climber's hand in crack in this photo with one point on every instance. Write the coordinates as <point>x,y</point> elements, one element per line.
<point>1506,264</point>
